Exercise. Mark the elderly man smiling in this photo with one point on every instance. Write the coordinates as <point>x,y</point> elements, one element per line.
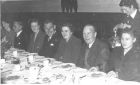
<point>94,53</point>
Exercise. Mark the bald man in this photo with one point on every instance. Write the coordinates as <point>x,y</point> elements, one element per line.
<point>94,52</point>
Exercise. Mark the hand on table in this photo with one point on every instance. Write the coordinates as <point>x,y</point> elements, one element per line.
<point>112,74</point>
<point>94,68</point>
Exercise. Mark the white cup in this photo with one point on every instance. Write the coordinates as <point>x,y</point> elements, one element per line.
<point>2,61</point>
<point>31,58</point>
<point>46,62</point>
<point>17,67</point>
<point>15,54</point>
<point>33,73</point>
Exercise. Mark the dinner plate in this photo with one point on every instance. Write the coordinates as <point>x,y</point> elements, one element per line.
<point>46,80</point>
<point>7,67</point>
<point>33,54</point>
<point>15,77</point>
<point>67,65</point>
<point>98,74</point>
<point>38,57</point>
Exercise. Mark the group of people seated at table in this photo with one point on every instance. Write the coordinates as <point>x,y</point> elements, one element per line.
<point>123,61</point>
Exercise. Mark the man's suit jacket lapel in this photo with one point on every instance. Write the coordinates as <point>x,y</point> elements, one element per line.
<point>93,54</point>
<point>32,42</point>
<point>32,39</point>
<point>37,37</point>
<point>127,56</point>
<point>18,38</point>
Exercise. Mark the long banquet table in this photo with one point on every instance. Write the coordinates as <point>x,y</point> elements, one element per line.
<point>35,69</point>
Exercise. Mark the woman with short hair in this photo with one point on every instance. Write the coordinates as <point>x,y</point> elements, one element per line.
<point>126,59</point>
<point>69,46</point>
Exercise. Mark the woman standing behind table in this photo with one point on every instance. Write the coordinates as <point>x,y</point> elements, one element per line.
<point>126,59</point>
<point>69,47</point>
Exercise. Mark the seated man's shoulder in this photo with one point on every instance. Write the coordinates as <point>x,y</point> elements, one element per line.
<point>137,50</point>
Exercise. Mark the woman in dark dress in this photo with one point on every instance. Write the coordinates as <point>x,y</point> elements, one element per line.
<point>69,47</point>
<point>126,59</point>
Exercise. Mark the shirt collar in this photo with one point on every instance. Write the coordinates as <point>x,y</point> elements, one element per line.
<point>90,45</point>
<point>52,35</point>
<point>133,14</point>
<point>36,33</point>
<point>19,33</point>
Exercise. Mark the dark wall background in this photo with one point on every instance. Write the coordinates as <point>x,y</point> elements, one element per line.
<point>103,21</point>
<point>55,5</point>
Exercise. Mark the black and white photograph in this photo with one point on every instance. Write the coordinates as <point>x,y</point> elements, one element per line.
<point>70,42</point>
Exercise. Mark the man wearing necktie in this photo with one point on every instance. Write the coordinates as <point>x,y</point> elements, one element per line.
<point>37,37</point>
<point>95,53</point>
<point>51,40</point>
<point>20,40</point>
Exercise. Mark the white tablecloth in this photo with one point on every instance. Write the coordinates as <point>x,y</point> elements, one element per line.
<point>50,72</point>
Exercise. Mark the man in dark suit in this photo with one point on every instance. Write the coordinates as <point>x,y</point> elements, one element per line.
<point>132,19</point>
<point>94,53</point>
<point>51,40</point>
<point>20,40</point>
<point>37,38</point>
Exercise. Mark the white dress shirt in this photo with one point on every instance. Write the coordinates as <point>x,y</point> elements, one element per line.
<point>133,14</point>
<point>19,33</point>
<point>90,45</point>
